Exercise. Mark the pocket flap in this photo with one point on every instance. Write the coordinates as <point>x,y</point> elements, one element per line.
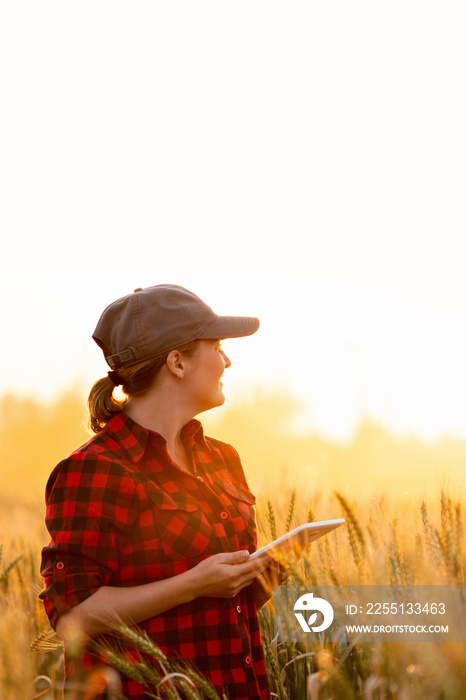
<point>176,501</point>
<point>238,492</point>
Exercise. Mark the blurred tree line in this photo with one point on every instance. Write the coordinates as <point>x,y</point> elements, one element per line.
<point>34,436</point>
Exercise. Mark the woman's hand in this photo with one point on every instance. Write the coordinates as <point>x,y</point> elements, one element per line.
<point>225,575</point>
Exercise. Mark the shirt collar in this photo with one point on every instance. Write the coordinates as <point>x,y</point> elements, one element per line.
<point>193,432</point>
<point>134,438</point>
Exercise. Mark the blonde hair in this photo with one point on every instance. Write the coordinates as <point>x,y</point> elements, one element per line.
<point>136,380</point>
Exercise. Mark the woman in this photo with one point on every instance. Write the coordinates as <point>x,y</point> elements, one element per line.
<point>151,522</point>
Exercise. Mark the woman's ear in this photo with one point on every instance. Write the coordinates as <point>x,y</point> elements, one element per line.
<point>175,363</point>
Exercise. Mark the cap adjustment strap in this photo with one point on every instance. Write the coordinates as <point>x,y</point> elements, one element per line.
<point>120,358</point>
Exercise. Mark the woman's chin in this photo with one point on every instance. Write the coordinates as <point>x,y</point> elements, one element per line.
<point>219,401</point>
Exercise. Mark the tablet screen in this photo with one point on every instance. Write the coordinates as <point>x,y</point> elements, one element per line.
<point>295,541</point>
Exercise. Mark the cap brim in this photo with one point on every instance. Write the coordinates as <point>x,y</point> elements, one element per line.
<point>230,327</point>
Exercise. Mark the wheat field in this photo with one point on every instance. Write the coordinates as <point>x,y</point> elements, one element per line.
<point>404,512</point>
<point>383,543</point>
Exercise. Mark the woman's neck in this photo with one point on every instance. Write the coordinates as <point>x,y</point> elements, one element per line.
<point>165,417</point>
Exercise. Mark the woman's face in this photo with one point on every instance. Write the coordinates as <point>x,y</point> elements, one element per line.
<point>204,372</point>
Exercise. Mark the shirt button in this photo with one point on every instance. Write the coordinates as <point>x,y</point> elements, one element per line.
<point>224,515</point>
<point>238,608</point>
<point>60,565</point>
<point>247,660</point>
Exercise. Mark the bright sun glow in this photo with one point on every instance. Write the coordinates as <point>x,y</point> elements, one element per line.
<point>303,163</point>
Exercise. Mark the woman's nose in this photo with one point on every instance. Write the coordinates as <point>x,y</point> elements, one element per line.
<point>226,359</point>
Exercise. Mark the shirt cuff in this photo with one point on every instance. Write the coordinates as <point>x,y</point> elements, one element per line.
<point>64,590</point>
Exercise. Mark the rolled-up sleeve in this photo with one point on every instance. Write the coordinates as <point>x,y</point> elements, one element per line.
<point>90,504</point>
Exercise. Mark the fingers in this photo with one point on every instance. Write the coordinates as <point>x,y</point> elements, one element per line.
<point>242,575</point>
<point>234,557</point>
<point>226,573</point>
<point>240,558</point>
<point>258,564</point>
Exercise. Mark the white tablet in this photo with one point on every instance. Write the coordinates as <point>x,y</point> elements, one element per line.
<point>295,541</point>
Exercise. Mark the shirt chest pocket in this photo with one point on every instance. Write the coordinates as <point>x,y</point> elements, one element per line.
<point>240,504</point>
<point>182,528</point>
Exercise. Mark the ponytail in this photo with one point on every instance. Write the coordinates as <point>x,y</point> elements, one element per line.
<point>102,404</point>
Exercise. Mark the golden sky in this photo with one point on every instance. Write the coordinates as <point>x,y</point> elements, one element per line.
<point>300,162</point>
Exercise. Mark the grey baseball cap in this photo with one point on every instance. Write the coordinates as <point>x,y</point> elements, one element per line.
<point>152,321</point>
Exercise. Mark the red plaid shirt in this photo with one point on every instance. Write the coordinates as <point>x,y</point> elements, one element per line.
<point>121,513</point>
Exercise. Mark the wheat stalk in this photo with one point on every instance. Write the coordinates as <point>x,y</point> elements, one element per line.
<point>355,537</point>
<point>148,672</point>
<point>394,556</point>
<point>353,521</point>
<point>270,657</point>
<point>6,572</point>
<point>143,642</point>
<point>203,684</point>
<point>271,519</point>
<point>432,538</point>
<point>125,667</point>
<point>45,641</point>
<point>291,508</point>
